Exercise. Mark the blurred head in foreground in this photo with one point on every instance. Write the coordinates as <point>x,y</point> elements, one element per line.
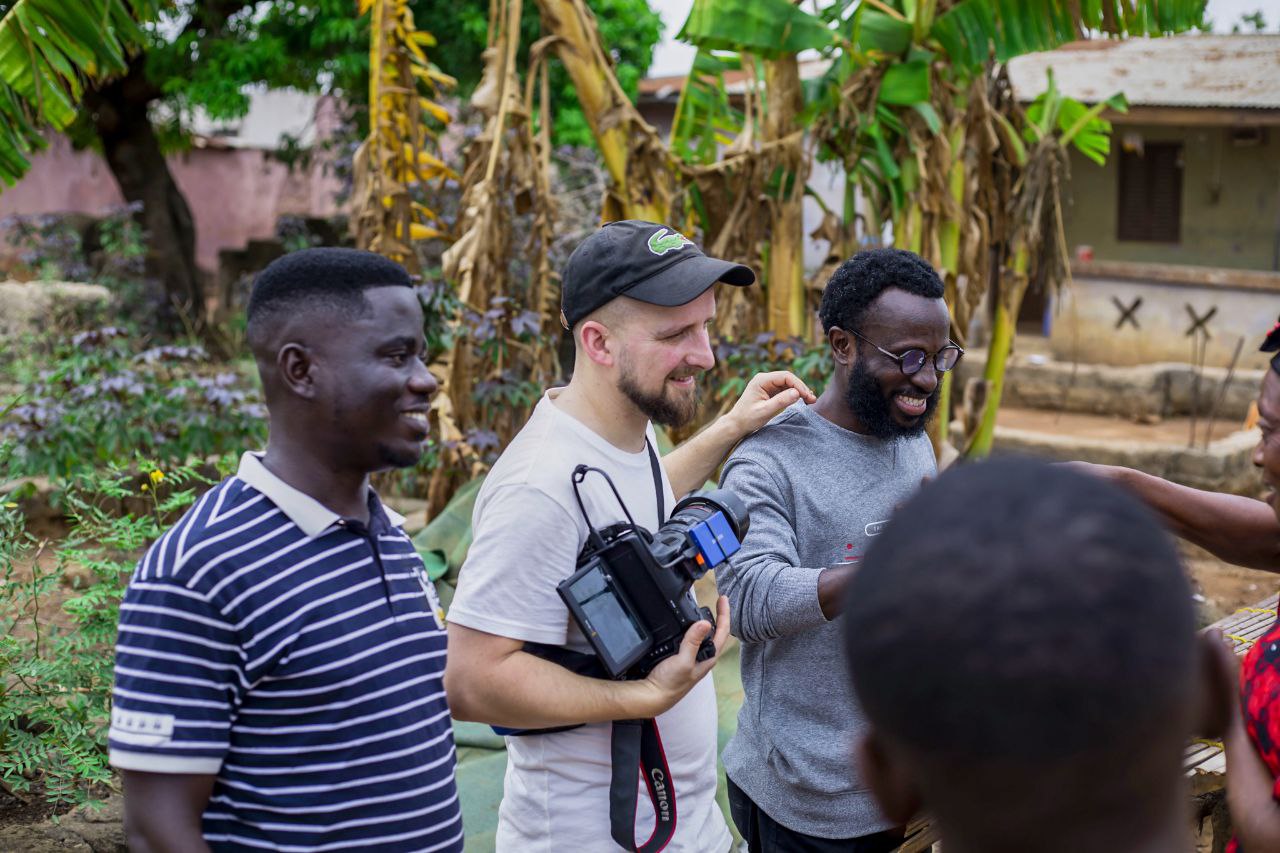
<point>1022,638</point>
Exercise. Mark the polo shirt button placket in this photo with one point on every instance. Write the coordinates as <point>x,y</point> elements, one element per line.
<point>362,530</point>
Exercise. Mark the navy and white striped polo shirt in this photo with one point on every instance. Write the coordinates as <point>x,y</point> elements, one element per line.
<point>299,657</point>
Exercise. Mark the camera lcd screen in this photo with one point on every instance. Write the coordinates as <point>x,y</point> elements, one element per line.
<point>607,617</point>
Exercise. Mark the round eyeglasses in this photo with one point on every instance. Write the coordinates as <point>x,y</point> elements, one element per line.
<point>913,359</point>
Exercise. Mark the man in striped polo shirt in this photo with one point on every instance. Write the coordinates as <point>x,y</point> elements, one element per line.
<point>281,654</point>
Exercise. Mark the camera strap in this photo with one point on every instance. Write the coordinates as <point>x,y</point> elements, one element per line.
<point>656,466</point>
<point>636,743</point>
<point>635,746</point>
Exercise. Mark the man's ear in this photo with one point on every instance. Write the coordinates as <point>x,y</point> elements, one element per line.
<point>843,346</point>
<point>597,343</point>
<point>296,366</point>
<point>888,779</point>
<point>1218,687</point>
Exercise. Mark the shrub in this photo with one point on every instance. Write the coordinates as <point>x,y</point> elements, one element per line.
<point>738,361</point>
<point>55,699</point>
<point>98,397</point>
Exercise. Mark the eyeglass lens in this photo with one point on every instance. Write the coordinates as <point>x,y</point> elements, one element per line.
<point>946,358</point>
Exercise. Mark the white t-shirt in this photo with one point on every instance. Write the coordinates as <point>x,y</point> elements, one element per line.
<point>528,533</point>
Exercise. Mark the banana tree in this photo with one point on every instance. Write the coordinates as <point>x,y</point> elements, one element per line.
<point>50,51</point>
<point>635,157</point>
<point>1037,250</point>
<point>404,115</point>
<point>775,32</point>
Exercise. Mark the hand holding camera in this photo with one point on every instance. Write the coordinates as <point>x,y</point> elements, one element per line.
<point>675,676</point>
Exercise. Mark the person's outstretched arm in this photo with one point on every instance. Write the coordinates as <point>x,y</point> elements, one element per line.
<point>162,811</point>
<point>691,464</point>
<point>1236,529</point>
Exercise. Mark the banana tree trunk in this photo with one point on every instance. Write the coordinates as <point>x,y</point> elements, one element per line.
<point>785,277</point>
<point>639,191</point>
<point>1002,333</point>
<point>948,267</point>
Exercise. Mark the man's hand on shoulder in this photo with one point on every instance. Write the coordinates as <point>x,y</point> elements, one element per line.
<point>765,396</point>
<point>672,679</point>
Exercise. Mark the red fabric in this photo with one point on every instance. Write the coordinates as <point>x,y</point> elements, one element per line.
<point>1260,700</point>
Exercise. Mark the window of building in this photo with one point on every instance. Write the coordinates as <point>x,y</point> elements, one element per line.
<point>1151,193</point>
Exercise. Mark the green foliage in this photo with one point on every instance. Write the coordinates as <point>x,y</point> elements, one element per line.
<point>972,29</point>
<point>224,46</point>
<point>738,361</point>
<point>629,29</point>
<point>705,118</point>
<point>49,50</point>
<point>58,613</point>
<point>99,397</point>
<point>1074,123</point>
<point>1254,22</point>
<point>768,28</point>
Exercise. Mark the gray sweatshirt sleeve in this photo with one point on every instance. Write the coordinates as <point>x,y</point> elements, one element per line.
<point>770,596</point>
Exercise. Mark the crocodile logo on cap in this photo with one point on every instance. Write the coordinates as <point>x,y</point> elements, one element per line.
<point>663,241</point>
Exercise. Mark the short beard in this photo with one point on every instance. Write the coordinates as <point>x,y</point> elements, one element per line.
<point>659,408</point>
<point>869,405</point>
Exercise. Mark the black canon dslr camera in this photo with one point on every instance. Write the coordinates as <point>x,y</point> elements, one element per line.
<point>630,594</point>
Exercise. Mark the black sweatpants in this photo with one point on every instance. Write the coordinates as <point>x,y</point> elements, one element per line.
<point>765,835</point>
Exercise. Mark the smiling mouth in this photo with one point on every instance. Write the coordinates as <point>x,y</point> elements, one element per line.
<point>420,420</point>
<point>910,405</point>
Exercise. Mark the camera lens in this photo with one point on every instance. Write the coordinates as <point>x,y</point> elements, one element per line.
<point>706,503</point>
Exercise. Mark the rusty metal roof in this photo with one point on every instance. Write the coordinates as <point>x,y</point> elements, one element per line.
<point>1231,71</point>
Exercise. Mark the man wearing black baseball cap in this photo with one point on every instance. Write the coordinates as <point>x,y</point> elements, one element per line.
<point>644,261</point>
<point>1233,528</point>
<point>639,298</point>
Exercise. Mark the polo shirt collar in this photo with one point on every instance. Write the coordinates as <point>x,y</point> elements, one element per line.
<point>311,516</point>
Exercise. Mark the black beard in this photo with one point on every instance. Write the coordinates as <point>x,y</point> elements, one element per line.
<point>656,407</point>
<point>871,407</point>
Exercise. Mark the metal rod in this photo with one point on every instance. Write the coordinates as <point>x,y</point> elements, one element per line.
<point>1222,393</point>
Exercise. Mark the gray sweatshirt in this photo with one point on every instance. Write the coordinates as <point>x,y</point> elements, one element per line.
<point>817,493</point>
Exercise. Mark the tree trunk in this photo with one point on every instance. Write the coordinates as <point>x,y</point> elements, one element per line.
<point>119,111</point>
<point>784,283</point>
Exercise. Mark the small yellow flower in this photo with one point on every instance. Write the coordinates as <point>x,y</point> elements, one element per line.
<point>156,476</point>
<point>145,487</point>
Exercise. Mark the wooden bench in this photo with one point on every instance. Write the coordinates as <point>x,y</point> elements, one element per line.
<point>1205,760</point>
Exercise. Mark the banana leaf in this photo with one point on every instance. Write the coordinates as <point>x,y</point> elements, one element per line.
<point>49,51</point>
<point>768,28</point>
<point>972,29</point>
<point>443,543</point>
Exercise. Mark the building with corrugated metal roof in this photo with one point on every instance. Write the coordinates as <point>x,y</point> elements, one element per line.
<point>1183,220</point>
<point>1182,223</point>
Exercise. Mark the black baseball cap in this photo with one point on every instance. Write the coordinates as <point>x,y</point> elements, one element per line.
<point>1272,344</point>
<point>644,260</point>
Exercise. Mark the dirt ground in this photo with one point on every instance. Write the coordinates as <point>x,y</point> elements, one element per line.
<point>1176,431</point>
<point>1225,588</point>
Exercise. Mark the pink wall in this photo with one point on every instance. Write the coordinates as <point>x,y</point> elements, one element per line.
<point>235,194</point>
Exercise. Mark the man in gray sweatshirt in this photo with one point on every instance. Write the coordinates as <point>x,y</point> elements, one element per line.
<point>820,481</point>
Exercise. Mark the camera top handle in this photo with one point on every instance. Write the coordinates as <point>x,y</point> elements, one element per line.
<point>579,474</point>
